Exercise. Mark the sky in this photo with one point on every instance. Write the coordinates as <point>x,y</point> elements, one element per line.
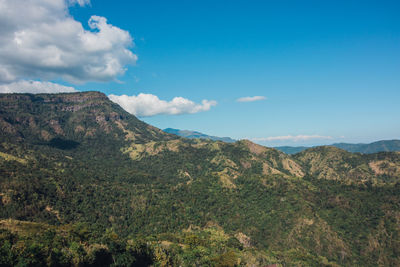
<point>275,72</point>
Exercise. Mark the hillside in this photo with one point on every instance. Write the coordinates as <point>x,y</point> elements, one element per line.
<point>291,149</point>
<point>194,134</point>
<point>379,146</point>
<point>85,183</point>
<point>375,147</point>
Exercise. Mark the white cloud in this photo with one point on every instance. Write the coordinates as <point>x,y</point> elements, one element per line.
<point>146,105</point>
<point>79,2</point>
<point>39,39</point>
<point>35,87</point>
<point>295,138</point>
<point>251,98</point>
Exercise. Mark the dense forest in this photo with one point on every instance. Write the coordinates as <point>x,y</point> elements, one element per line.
<point>84,183</point>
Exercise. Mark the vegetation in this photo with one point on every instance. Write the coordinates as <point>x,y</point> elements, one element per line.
<point>84,183</point>
<point>375,147</point>
<point>193,134</point>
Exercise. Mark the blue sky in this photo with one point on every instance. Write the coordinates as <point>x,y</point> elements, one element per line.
<point>329,70</point>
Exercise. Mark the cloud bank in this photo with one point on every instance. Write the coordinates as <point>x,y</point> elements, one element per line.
<point>295,138</point>
<point>35,87</point>
<point>39,39</point>
<point>251,98</point>
<point>146,105</point>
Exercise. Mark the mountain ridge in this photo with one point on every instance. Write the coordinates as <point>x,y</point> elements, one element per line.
<point>195,134</point>
<point>365,148</point>
<point>83,180</point>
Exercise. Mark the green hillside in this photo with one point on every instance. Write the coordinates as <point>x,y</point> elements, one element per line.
<point>380,146</point>
<point>84,183</point>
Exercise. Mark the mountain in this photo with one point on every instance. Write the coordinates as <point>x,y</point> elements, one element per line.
<point>386,145</point>
<point>84,183</point>
<point>193,134</point>
<point>291,149</point>
<point>375,147</point>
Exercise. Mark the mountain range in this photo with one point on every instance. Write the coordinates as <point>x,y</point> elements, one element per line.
<point>194,134</point>
<point>84,183</point>
<point>375,147</point>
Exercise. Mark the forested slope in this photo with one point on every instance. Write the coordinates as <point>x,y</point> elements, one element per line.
<point>83,182</point>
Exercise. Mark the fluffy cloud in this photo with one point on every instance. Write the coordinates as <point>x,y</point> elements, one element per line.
<point>295,138</point>
<point>251,98</point>
<point>79,2</point>
<point>35,87</point>
<point>145,105</point>
<point>39,39</point>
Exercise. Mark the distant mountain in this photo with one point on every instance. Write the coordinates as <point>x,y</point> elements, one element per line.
<point>379,146</point>
<point>194,134</point>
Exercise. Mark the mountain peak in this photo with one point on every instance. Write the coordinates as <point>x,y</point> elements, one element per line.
<point>67,97</point>
<point>73,116</point>
<point>253,147</point>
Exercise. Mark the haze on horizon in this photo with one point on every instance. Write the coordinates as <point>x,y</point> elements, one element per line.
<point>278,73</point>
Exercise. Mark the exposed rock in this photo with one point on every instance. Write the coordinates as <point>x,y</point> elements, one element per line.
<point>243,239</point>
